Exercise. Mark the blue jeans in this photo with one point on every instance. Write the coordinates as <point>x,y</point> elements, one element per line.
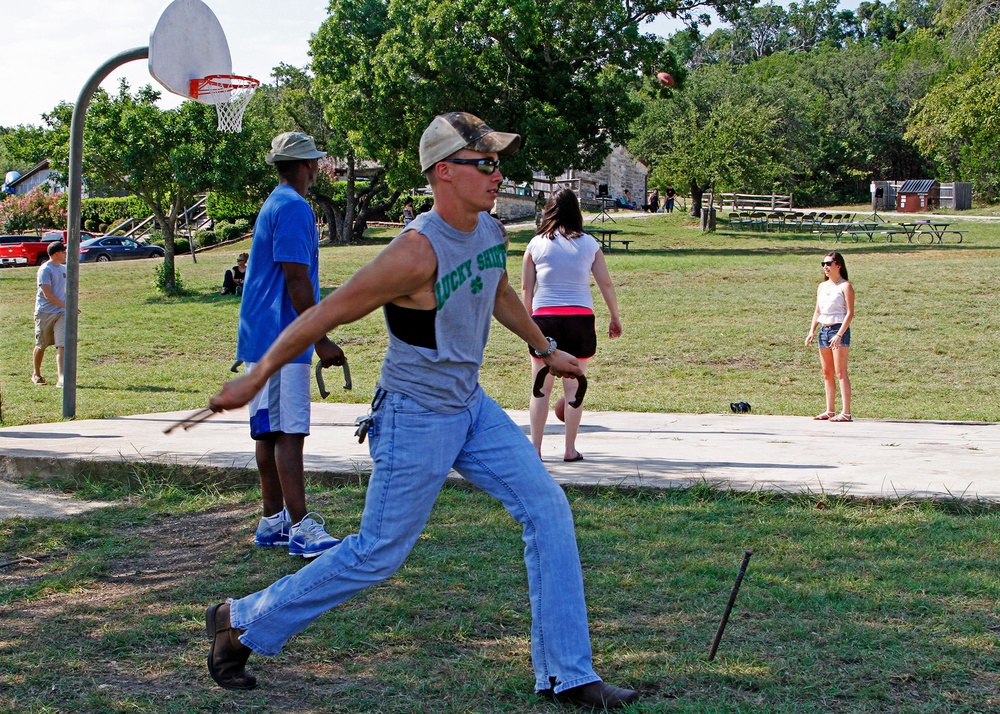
<point>413,450</point>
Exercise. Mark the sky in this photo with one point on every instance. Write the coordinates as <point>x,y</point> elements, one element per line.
<point>52,47</point>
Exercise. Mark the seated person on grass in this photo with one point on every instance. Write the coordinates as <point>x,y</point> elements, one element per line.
<point>232,282</point>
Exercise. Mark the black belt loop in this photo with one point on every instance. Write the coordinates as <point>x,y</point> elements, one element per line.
<point>377,399</point>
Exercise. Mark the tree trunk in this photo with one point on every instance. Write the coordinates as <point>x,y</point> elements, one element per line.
<point>697,193</point>
<point>350,224</point>
<point>169,274</point>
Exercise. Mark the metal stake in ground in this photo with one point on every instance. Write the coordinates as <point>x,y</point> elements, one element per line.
<point>729,605</point>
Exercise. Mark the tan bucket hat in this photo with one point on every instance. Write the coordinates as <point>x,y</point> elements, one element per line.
<point>291,146</point>
<point>452,132</point>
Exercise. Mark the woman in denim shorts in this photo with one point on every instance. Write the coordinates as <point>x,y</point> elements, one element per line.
<point>833,315</point>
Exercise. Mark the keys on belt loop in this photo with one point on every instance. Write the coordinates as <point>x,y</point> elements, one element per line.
<point>366,426</point>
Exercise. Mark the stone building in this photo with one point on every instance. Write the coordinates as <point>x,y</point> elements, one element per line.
<point>620,172</point>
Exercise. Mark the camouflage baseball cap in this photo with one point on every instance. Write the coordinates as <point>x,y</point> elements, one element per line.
<point>455,131</point>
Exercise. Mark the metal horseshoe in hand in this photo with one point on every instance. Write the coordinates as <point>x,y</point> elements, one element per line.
<point>581,390</point>
<point>322,385</point>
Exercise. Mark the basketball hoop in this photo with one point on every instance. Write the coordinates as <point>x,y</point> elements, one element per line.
<point>229,93</point>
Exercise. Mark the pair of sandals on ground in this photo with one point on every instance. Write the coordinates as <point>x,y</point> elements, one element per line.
<point>831,415</point>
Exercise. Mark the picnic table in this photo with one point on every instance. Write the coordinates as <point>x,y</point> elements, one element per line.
<point>871,229</point>
<point>606,237</point>
<point>934,231</point>
<point>837,229</point>
<point>855,229</point>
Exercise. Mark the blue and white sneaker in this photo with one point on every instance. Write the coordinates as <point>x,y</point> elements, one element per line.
<point>309,538</point>
<point>273,530</point>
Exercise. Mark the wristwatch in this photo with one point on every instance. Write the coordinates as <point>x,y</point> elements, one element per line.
<point>546,353</point>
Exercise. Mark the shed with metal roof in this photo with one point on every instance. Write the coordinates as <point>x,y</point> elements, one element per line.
<point>918,195</point>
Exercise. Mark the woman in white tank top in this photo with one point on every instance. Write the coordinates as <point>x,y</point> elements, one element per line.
<point>833,315</point>
<point>555,287</point>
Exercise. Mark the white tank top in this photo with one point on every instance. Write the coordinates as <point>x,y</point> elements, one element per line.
<point>562,270</point>
<point>832,303</point>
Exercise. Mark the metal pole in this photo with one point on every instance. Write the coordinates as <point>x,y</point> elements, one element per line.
<point>73,211</point>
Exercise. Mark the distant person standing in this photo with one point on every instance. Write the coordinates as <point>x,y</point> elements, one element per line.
<point>539,207</point>
<point>50,311</point>
<point>282,282</point>
<point>669,195</point>
<point>833,314</point>
<point>653,201</point>
<point>555,289</point>
<point>408,213</point>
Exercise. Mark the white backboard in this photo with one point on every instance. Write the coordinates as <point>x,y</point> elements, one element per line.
<point>188,43</point>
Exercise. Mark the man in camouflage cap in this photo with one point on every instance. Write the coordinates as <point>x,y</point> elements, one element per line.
<point>440,282</point>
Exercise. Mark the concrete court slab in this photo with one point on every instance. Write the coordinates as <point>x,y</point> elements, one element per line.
<point>866,458</point>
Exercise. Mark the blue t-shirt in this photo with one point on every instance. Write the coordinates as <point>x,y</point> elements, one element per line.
<point>285,232</point>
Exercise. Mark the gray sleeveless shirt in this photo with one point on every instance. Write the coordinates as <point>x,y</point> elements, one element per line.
<point>469,269</point>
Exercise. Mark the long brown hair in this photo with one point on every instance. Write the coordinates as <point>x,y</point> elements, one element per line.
<point>839,260</point>
<point>561,214</point>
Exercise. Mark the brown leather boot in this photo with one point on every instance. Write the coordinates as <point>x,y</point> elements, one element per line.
<point>228,657</point>
<point>595,695</point>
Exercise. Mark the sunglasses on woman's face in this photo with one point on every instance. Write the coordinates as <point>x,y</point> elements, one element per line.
<point>483,166</point>
<point>828,263</point>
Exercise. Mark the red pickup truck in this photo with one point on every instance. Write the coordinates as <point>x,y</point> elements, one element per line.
<point>31,250</point>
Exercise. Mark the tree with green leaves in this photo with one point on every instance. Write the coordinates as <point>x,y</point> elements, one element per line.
<point>26,145</point>
<point>564,75</point>
<point>346,202</point>
<point>717,135</point>
<point>957,123</point>
<point>166,157</point>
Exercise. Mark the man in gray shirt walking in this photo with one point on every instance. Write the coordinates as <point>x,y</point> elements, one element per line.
<point>50,311</point>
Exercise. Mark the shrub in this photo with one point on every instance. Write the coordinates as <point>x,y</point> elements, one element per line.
<point>206,238</point>
<point>92,225</point>
<point>107,228</point>
<point>113,210</point>
<point>243,225</point>
<point>160,278</point>
<point>221,207</point>
<point>32,211</point>
<point>181,246</point>
<point>228,231</point>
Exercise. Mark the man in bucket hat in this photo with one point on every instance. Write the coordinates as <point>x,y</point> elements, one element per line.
<point>281,283</point>
<point>439,282</point>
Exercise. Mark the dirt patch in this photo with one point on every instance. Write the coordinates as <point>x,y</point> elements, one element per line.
<point>137,632</point>
<point>18,501</point>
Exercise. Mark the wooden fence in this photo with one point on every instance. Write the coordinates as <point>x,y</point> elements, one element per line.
<point>749,201</point>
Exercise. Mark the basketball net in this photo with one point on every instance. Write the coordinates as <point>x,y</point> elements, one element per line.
<point>232,94</point>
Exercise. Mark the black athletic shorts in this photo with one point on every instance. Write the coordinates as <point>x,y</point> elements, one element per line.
<point>575,334</point>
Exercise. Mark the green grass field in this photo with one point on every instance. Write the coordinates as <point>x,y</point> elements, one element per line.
<point>709,319</point>
<point>848,606</point>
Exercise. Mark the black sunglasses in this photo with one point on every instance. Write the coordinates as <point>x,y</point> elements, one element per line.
<point>483,166</point>
<point>828,262</point>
